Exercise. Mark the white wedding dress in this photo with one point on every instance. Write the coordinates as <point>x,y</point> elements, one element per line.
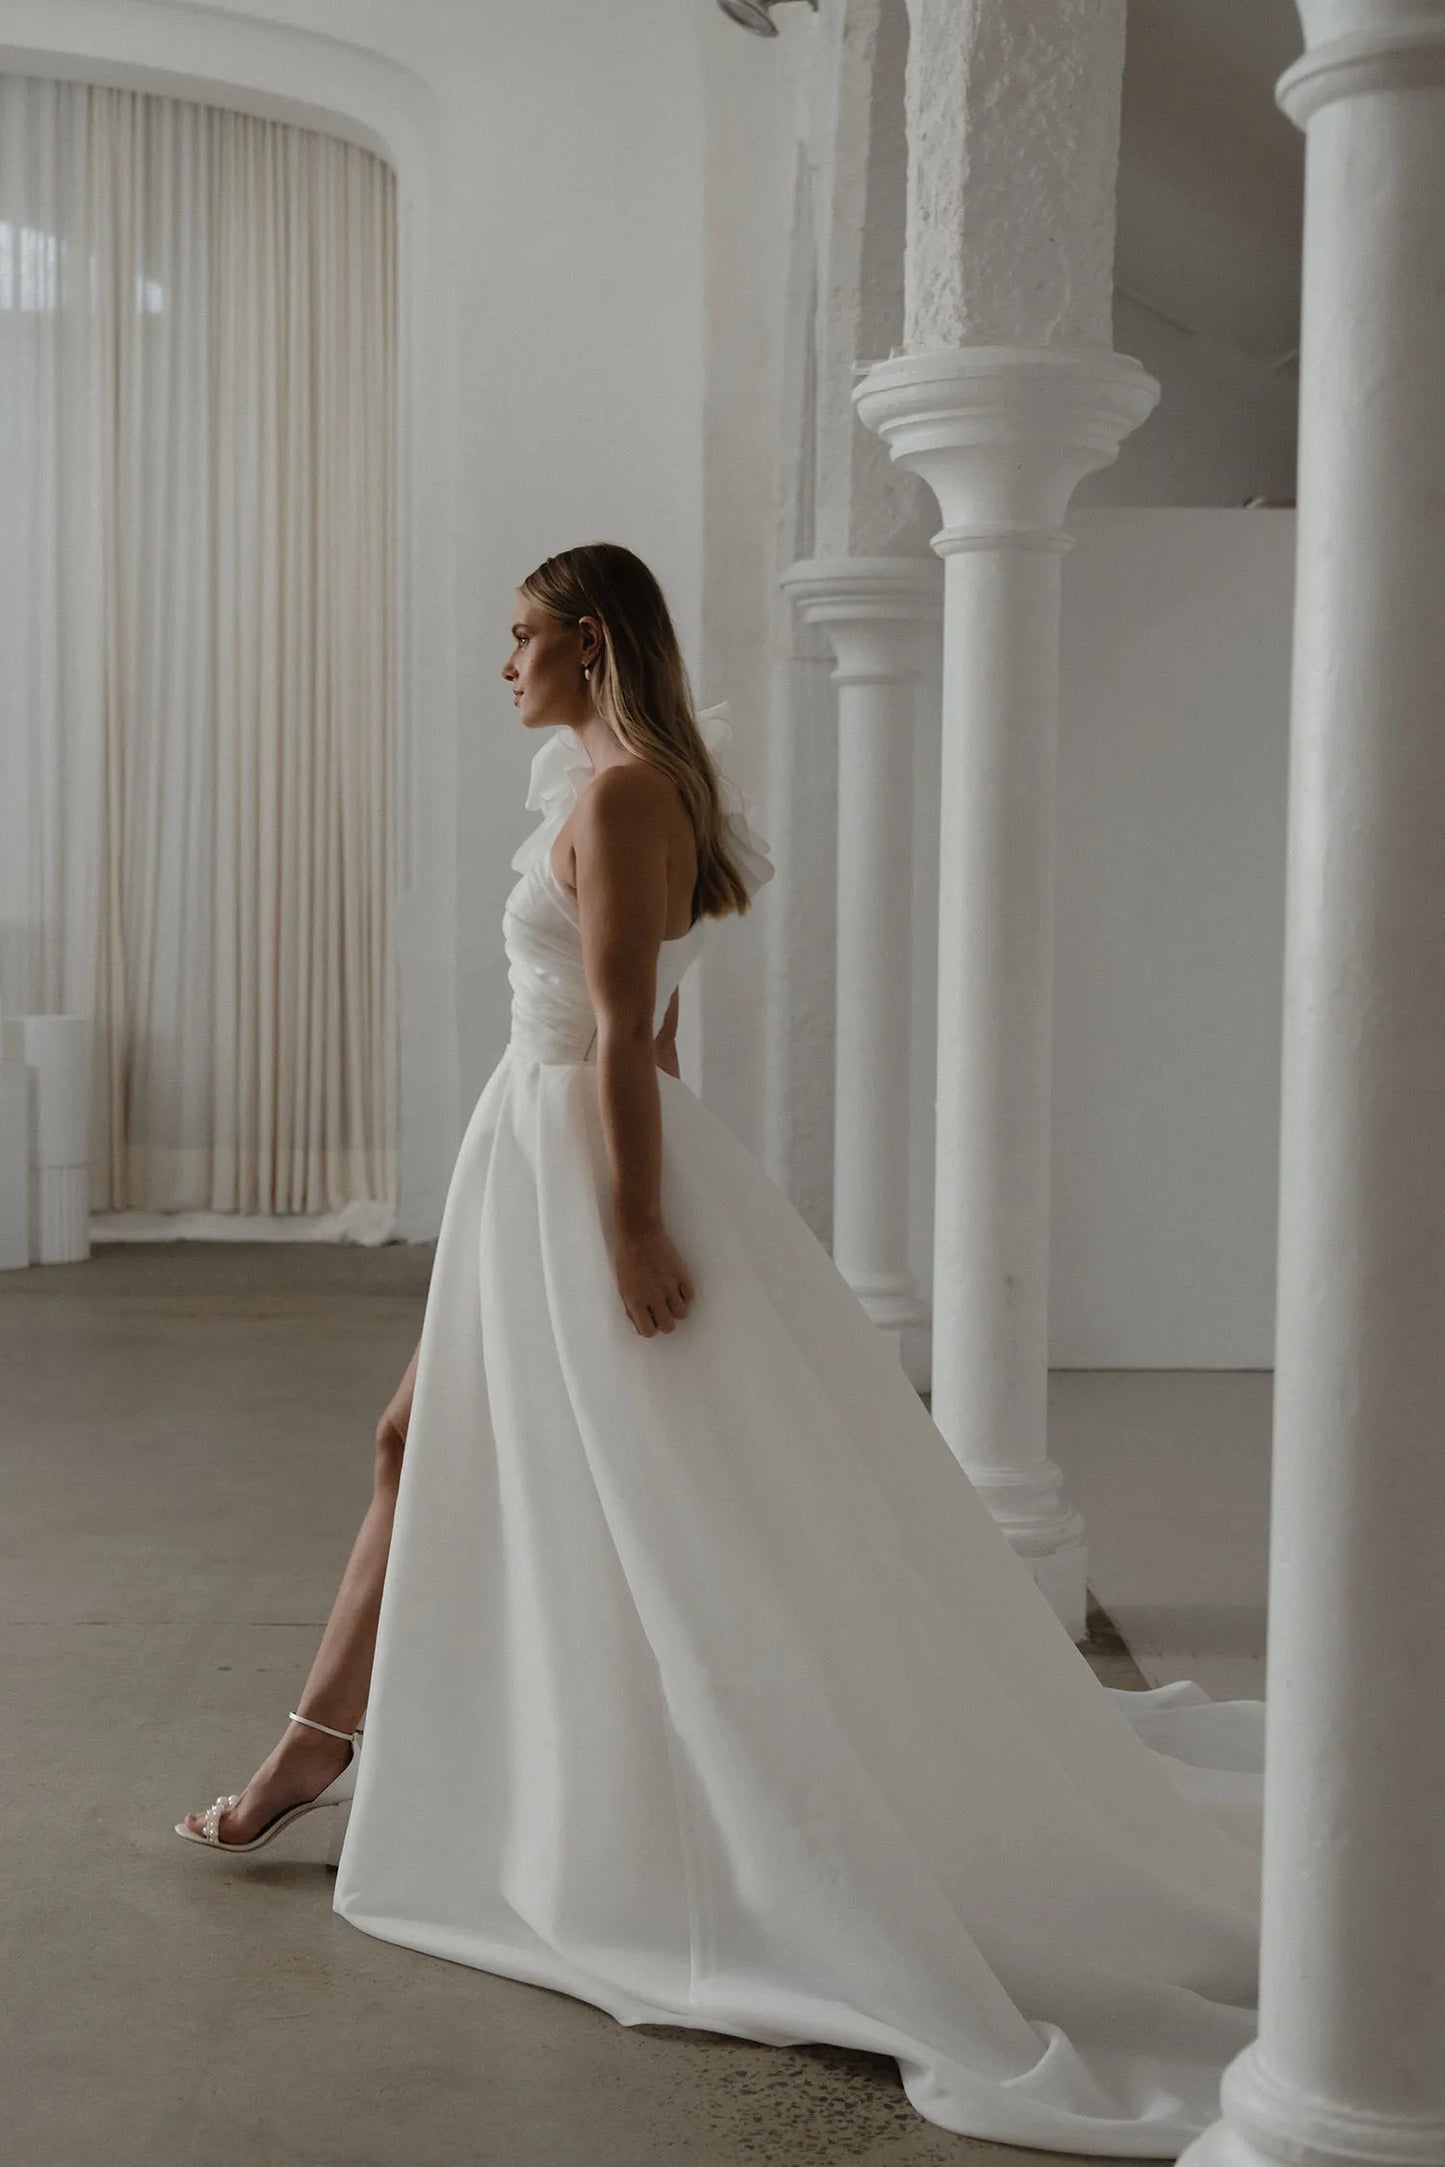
<point>706,1688</point>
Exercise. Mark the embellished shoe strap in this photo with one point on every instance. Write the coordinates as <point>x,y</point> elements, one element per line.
<point>315,1726</point>
<point>210,1825</point>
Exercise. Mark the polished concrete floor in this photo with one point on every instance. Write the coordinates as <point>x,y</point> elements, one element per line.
<point>187,1436</point>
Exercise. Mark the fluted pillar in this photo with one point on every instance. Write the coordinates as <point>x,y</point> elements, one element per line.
<point>1348,2068</point>
<point>875,611</point>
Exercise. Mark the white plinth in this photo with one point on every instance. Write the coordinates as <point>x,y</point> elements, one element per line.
<point>53,1052</point>
<point>14,1165</point>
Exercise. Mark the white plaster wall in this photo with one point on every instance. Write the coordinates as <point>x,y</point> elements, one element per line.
<point>1223,431</point>
<point>750,187</point>
<point>551,174</point>
<point>1173,765</point>
<point>802,925</point>
<point>1169,937</point>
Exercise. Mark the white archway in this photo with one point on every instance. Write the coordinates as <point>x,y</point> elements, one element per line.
<point>279,73</point>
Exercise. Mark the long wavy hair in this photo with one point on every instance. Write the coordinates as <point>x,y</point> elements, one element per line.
<point>641,689</point>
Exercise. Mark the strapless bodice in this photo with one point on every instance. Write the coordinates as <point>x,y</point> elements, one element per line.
<point>552,1014</point>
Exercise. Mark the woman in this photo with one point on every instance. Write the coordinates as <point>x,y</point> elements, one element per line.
<point>701,1683</point>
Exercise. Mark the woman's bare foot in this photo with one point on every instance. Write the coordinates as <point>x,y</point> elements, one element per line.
<point>299,1768</point>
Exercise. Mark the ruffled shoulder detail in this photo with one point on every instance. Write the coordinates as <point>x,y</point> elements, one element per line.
<point>560,763</point>
<point>749,848</point>
<point>557,767</point>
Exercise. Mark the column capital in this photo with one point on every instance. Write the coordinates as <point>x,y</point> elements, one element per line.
<point>887,588</point>
<point>871,608</point>
<point>1003,435</point>
<point>1355,46</point>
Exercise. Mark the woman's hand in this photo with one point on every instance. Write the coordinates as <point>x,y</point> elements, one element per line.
<point>655,1284</point>
<point>396,1416</point>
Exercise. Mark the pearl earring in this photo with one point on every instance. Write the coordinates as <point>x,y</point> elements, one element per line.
<point>586,669</point>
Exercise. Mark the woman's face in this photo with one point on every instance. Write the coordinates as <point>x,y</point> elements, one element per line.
<point>544,668</point>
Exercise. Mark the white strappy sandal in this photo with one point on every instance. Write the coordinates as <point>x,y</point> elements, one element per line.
<point>338,1793</point>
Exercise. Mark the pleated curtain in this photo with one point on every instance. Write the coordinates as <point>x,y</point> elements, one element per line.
<point>197,639</point>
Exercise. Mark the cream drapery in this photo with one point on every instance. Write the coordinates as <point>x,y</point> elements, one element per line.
<point>197,704</point>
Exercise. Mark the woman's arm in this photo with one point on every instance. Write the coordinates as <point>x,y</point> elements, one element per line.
<point>397,1412</point>
<point>621,855</point>
<point>665,1045</point>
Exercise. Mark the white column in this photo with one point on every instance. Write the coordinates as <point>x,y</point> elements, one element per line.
<point>1348,2069</point>
<point>1002,435</point>
<point>875,612</point>
<point>1006,395</point>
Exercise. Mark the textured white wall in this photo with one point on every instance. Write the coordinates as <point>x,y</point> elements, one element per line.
<point>1013,131</point>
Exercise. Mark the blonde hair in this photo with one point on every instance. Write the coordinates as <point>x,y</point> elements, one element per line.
<point>640,685</point>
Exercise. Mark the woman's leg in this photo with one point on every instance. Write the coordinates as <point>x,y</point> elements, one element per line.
<point>304,1761</point>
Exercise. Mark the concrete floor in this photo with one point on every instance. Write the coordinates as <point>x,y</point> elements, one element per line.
<point>187,1439</point>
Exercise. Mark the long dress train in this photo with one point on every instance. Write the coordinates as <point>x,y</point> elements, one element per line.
<point>706,1688</point>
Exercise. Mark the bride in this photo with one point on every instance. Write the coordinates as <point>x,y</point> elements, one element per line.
<point>698,1681</point>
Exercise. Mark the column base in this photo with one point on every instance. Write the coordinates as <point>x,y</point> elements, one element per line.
<point>1060,1578</point>
<point>891,1299</point>
<point>891,1322</point>
<point>1270,2123</point>
<point>893,1341</point>
<point>1221,2145</point>
<point>1047,1534</point>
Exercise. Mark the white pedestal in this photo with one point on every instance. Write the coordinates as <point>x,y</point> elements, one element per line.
<point>55,1053</point>
<point>14,1165</point>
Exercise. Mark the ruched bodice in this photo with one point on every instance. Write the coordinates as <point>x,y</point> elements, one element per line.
<point>552,1014</point>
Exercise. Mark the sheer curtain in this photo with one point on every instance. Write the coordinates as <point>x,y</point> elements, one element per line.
<point>197,636</point>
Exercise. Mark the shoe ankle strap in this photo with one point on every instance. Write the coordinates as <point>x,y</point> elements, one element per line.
<point>311,1722</point>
